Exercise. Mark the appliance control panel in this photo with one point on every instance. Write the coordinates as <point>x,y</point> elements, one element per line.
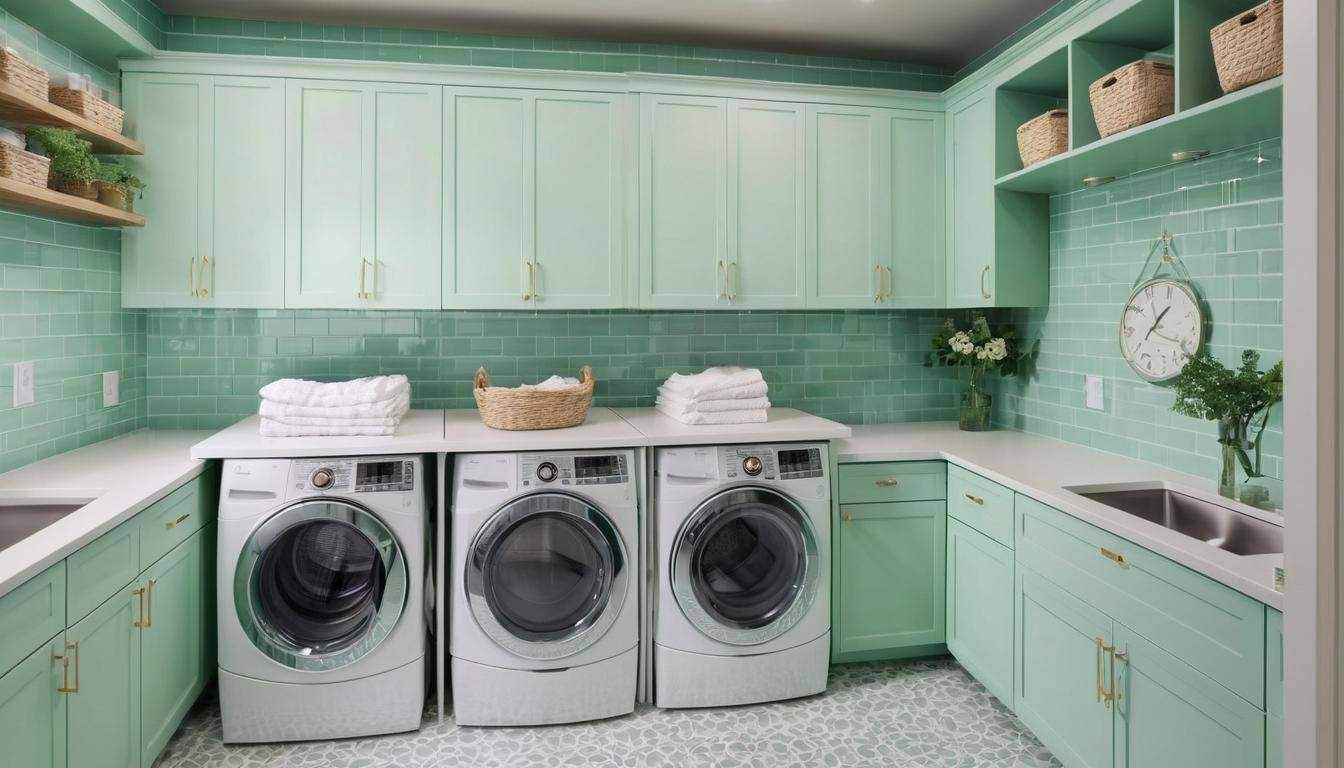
<point>543,470</point>
<point>370,475</point>
<point>771,462</point>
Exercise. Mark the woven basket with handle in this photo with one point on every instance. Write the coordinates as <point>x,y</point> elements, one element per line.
<point>1137,93</point>
<point>515,409</point>
<point>85,104</point>
<point>1248,48</point>
<point>22,75</point>
<point>24,166</point>
<point>1043,137</point>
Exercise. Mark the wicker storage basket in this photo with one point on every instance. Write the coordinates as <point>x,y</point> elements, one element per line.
<point>513,409</point>
<point>1043,137</point>
<point>85,189</point>
<point>87,105</point>
<point>22,75</point>
<point>24,166</point>
<point>1249,48</point>
<point>1137,93</point>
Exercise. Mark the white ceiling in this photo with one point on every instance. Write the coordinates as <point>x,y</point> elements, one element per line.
<point>947,32</point>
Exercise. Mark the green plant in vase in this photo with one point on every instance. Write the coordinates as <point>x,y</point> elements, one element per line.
<point>1240,401</point>
<point>72,163</point>
<point>981,350</point>
<point>118,187</point>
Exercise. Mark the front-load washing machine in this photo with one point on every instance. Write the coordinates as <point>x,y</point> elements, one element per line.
<point>544,624</point>
<point>743,610</point>
<point>320,597</point>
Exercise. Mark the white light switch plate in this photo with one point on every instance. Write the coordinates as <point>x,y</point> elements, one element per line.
<point>1092,389</point>
<point>23,384</point>
<point>111,388</point>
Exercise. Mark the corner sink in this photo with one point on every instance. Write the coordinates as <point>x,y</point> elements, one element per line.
<point>21,518</point>
<point>1215,525</point>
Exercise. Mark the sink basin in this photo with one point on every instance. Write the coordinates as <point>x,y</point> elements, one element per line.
<point>20,519</point>
<point>1212,524</point>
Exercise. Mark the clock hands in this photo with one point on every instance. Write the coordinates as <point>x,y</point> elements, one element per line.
<point>1158,321</point>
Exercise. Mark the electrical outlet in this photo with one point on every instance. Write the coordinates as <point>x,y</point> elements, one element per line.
<point>1093,392</point>
<point>111,388</point>
<point>23,384</point>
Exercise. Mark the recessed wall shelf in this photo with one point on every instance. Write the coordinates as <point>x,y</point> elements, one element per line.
<point>47,202</point>
<point>21,107</point>
<point>1234,120</point>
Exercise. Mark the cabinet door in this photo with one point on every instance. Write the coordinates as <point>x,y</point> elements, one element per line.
<point>1060,672</point>
<point>170,114</point>
<point>889,589</point>
<point>971,200</point>
<point>846,208</point>
<point>918,276</point>
<point>104,717</point>
<point>243,204</point>
<point>1171,716</point>
<point>766,214</point>
<point>32,711</point>
<point>173,643</point>
<point>683,247</point>
<point>980,608</point>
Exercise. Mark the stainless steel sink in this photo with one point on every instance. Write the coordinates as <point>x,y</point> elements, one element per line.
<point>1212,524</point>
<point>21,518</point>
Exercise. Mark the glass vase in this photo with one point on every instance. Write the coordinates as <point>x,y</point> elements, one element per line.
<point>1235,480</point>
<point>975,410</point>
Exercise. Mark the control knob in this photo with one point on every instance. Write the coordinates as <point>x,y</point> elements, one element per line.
<point>323,478</point>
<point>547,472</point>
<point>752,465</point>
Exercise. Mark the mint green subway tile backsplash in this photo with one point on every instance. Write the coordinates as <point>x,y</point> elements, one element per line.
<point>40,50</point>
<point>205,368</point>
<point>1226,214</point>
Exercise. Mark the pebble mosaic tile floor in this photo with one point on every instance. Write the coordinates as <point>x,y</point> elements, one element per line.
<point>922,713</point>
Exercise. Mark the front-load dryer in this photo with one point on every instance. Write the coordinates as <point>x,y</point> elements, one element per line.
<point>544,624</point>
<point>320,597</point>
<point>743,610</point>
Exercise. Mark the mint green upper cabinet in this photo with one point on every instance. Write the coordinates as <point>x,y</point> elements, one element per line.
<point>534,199</point>
<point>980,607</point>
<point>174,644</point>
<point>918,261</point>
<point>32,710</point>
<point>766,261</point>
<point>846,209</point>
<point>970,269</point>
<point>363,224</point>
<point>683,238</point>
<point>215,216</point>
<point>104,716</point>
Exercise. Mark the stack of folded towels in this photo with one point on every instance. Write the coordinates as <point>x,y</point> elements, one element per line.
<point>370,406</point>
<point>724,395</point>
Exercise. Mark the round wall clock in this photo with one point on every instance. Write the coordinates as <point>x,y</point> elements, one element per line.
<point>1162,328</point>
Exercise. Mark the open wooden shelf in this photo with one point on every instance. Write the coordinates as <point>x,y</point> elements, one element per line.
<point>48,202</point>
<point>22,107</point>
<point>1235,120</point>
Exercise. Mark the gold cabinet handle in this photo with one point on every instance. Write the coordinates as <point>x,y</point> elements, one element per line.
<point>983,290</point>
<point>976,499</point>
<point>171,524</point>
<point>730,280</point>
<point>201,290</point>
<point>723,279</point>
<point>364,265</point>
<point>877,299</point>
<point>890,283</point>
<point>146,595</point>
<point>847,519</point>
<point>887,482</point>
<point>1116,656</point>
<point>1105,651</point>
<point>65,672</point>
<point>191,277</point>
<point>1116,556</point>
<point>139,623</point>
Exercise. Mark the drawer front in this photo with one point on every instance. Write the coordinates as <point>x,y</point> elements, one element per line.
<point>99,569</point>
<point>982,504</point>
<point>171,520</point>
<point>31,615</point>
<point>1209,626</point>
<point>893,481</point>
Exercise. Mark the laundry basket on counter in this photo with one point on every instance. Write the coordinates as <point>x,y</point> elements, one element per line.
<point>518,408</point>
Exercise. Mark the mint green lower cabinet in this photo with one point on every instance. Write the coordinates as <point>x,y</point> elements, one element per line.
<point>980,608</point>
<point>31,613</point>
<point>888,580</point>
<point>1060,671</point>
<point>1171,716</point>
<point>32,711</point>
<point>104,715</point>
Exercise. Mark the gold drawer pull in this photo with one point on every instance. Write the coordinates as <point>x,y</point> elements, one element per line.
<point>1116,556</point>
<point>65,672</point>
<point>976,499</point>
<point>847,519</point>
<point>171,524</point>
<point>888,482</point>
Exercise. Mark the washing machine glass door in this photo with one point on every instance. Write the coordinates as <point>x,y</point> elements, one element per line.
<point>546,576</point>
<point>745,565</point>
<point>320,584</point>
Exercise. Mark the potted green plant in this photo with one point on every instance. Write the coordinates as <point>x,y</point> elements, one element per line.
<point>118,187</point>
<point>1240,401</point>
<point>73,168</point>
<point>982,350</point>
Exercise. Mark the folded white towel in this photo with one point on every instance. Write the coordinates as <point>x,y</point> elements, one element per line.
<point>721,382</point>
<point>554,383</point>
<point>372,389</point>
<point>271,428</point>
<point>679,405</point>
<point>318,421</point>
<point>723,417</point>
<point>744,392</point>
<point>387,409</point>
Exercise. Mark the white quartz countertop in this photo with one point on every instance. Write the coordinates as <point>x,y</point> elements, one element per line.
<point>420,432</point>
<point>122,476</point>
<point>1044,469</point>
<point>784,425</point>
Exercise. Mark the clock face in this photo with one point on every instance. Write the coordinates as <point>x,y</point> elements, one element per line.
<point>1161,329</point>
